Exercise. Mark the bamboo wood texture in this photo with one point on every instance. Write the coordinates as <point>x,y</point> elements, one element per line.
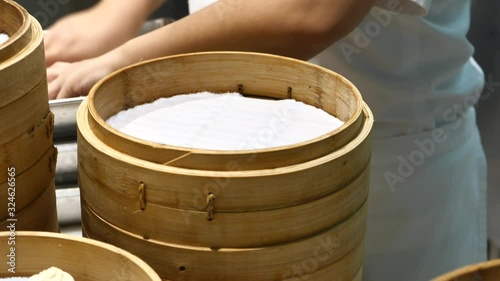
<point>180,262</point>
<point>16,22</point>
<point>84,259</point>
<point>233,229</point>
<point>254,74</point>
<point>23,114</point>
<point>348,268</point>
<point>31,183</point>
<point>39,215</point>
<point>256,190</point>
<point>487,271</point>
<point>22,152</point>
<point>23,71</point>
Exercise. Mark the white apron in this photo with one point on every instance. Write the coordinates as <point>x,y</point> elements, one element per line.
<point>427,202</point>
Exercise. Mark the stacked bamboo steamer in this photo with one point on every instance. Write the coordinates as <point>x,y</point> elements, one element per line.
<point>296,211</point>
<point>84,259</point>
<point>487,271</point>
<point>27,154</point>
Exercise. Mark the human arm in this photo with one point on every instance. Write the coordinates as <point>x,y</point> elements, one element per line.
<point>295,28</point>
<point>97,30</point>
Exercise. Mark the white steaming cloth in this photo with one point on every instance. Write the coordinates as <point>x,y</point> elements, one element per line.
<point>224,122</point>
<point>3,38</point>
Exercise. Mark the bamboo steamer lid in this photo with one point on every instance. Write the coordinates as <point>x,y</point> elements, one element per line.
<point>39,215</point>
<point>84,259</point>
<point>335,252</point>
<point>252,74</point>
<point>487,271</point>
<point>22,57</point>
<point>321,193</point>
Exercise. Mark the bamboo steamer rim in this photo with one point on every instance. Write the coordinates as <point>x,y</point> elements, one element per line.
<point>22,30</point>
<point>36,40</point>
<point>85,132</point>
<point>38,215</point>
<point>472,272</point>
<point>359,215</point>
<point>87,242</point>
<point>23,72</point>
<point>257,231</point>
<point>95,115</point>
<point>204,264</point>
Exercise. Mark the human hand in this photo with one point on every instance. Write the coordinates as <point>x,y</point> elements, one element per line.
<point>68,80</point>
<point>91,32</point>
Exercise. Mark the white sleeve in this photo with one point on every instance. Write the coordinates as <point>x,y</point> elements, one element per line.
<point>408,7</point>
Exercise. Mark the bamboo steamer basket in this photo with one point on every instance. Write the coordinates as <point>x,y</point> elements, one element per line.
<point>487,271</point>
<point>242,229</point>
<point>84,259</point>
<point>30,183</point>
<point>238,215</point>
<point>39,215</point>
<point>16,120</point>
<point>252,74</point>
<point>22,57</point>
<point>156,201</point>
<point>335,254</point>
<point>15,153</point>
<point>26,124</point>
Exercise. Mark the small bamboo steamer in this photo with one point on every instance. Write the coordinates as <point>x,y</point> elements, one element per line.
<point>487,271</point>
<point>39,215</point>
<point>24,70</point>
<point>258,75</point>
<point>84,259</point>
<point>14,153</point>
<point>337,184</point>
<point>335,252</point>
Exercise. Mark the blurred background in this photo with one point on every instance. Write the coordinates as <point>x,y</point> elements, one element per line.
<point>48,11</point>
<point>484,34</point>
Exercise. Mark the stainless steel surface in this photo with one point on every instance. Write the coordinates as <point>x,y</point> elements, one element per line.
<point>154,24</point>
<point>67,165</point>
<point>66,179</point>
<point>65,118</point>
<point>68,206</point>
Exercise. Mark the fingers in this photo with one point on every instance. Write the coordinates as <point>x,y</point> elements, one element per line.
<point>50,57</point>
<point>56,77</point>
<point>55,70</point>
<point>54,88</point>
